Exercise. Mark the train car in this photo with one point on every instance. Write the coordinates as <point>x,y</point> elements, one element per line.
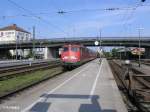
<point>74,55</point>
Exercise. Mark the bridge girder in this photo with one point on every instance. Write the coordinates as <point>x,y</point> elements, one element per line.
<point>41,43</point>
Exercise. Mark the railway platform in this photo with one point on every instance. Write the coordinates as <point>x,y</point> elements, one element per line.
<point>88,88</point>
<point>143,68</point>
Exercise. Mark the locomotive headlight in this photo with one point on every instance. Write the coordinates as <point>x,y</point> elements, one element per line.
<point>73,57</point>
<point>66,57</point>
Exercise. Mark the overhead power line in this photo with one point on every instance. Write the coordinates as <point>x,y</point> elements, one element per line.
<point>94,10</point>
<point>131,14</point>
<point>35,15</point>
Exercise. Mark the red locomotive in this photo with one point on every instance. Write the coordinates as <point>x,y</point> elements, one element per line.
<point>75,54</point>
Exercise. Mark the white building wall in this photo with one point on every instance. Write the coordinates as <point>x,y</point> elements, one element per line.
<point>7,36</point>
<point>12,35</point>
<point>46,53</point>
<point>22,36</point>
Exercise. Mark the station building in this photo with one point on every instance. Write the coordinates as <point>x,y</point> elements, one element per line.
<point>13,33</point>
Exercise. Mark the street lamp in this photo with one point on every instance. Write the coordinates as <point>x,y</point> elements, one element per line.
<point>33,49</point>
<point>139,30</point>
<point>120,50</point>
<point>100,42</point>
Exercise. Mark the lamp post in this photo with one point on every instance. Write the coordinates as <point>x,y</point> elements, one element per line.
<point>139,31</point>
<point>33,49</point>
<point>120,51</point>
<point>100,40</point>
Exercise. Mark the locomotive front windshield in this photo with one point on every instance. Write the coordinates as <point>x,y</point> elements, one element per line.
<point>74,49</point>
<point>66,49</point>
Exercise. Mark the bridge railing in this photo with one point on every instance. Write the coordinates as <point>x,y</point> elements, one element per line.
<point>78,39</point>
<point>95,38</point>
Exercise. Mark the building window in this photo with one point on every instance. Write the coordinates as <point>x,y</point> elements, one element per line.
<point>22,38</point>
<point>1,34</point>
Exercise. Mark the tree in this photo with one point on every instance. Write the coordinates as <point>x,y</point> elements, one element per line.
<point>114,52</point>
<point>30,55</point>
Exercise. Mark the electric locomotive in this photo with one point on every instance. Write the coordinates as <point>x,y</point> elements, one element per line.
<point>75,54</point>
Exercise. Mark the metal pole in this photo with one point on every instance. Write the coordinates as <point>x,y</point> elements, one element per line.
<point>16,47</point>
<point>19,43</point>
<point>120,51</point>
<point>33,49</point>
<point>40,46</point>
<point>139,48</point>
<point>100,43</point>
<point>41,49</point>
<point>125,53</point>
<point>139,31</point>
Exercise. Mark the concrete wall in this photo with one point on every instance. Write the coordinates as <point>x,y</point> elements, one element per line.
<point>51,53</point>
<point>48,53</point>
<point>5,54</point>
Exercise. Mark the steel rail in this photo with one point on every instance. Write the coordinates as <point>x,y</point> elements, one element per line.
<point>137,85</point>
<point>13,71</point>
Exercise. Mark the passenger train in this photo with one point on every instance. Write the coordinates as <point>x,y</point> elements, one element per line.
<point>74,55</point>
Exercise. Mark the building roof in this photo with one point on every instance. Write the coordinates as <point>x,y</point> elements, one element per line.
<point>124,50</point>
<point>13,27</point>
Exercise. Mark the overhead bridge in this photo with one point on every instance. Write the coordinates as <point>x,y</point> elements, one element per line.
<point>52,45</point>
<point>87,41</point>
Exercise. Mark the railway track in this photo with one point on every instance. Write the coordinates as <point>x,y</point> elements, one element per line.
<point>18,72</point>
<point>19,69</point>
<point>135,83</point>
<point>144,62</point>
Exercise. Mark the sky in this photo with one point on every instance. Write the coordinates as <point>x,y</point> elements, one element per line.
<point>83,18</point>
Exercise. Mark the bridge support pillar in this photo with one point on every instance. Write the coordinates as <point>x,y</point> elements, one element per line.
<point>5,54</point>
<point>147,53</point>
<point>51,53</point>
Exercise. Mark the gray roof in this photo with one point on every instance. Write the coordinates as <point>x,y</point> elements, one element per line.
<point>124,50</point>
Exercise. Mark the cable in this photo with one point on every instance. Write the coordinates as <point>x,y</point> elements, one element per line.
<point>63,12</point>
<point>131,14</point>
<point>33,15</point>
<point>69,11</point>
<point>36,15</point>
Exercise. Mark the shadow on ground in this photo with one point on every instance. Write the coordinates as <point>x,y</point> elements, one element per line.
<point>93,107</point>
